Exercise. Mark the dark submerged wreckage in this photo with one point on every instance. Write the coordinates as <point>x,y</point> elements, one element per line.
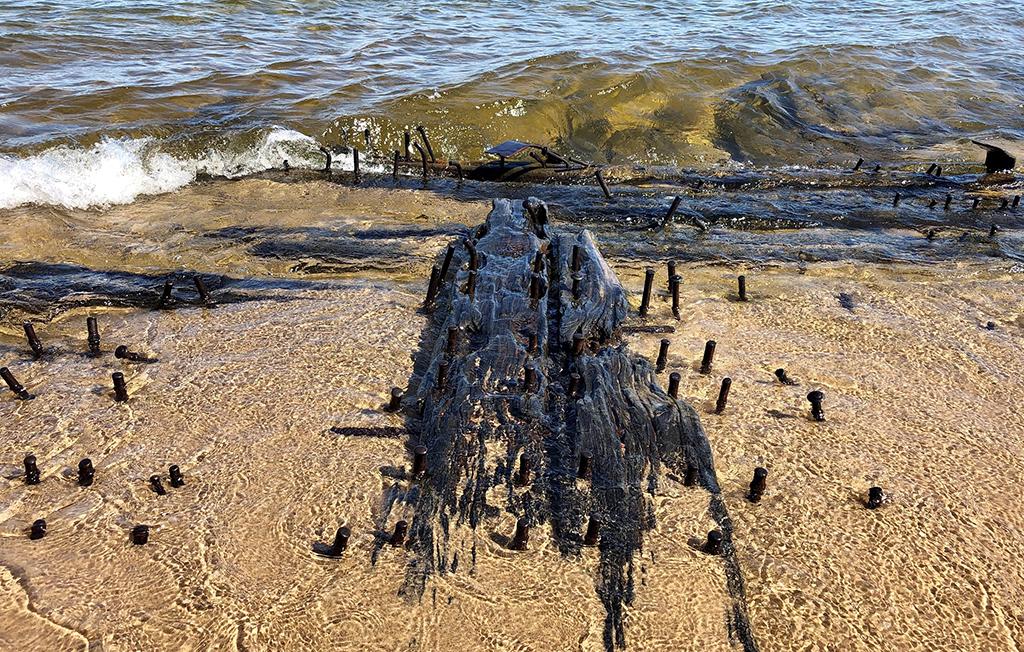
<point>523,384</point>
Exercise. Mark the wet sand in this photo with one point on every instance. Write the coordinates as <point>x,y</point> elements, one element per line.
<point>919,400</point>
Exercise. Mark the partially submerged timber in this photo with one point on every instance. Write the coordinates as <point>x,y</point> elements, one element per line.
<point>523,384</point>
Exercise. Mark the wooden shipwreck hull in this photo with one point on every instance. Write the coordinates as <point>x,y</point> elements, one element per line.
<point>516,373</point>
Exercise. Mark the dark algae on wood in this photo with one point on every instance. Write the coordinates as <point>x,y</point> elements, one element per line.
<point>491,387</point>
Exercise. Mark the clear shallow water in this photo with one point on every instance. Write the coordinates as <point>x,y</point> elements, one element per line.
<point>149,94</point>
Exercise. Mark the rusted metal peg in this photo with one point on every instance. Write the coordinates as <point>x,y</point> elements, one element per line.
<point>31,470</point>
<point>123,353</point>
<point>535,291</point>
<point>896,200</point>
<point>471,283</point>
<point>758,484</point>
<point>931,169</point>
<point>709,357</point>
<point>406,139</point>
<point>120,389</point>
<point>671,274</point>
<point>453,341</point>
<point>442,376</point>
<point>741,282</point>
<point>723,395</point>
<point>593,534</point>
<point>949,200</point>
<point>857,165</point>
<point>355,164</point>
<point>419,462</point>
<point>575,266</point>
<point>165,296</point>
<point>977,200</point>
<point>423,159</point>
<point>366,139</point>
<point>395,403</point>
<point>426,141</point>
<point>86,473</point>
<point>523,475</point>
<point>38,530</point>
<point>713,546</point>
<point>521,538</point>
<point>574,386</point>
<point>432,285</point>
<point>473,261</point>
<point>327,164</point>
<point>659,365</point>
<point>530,378</point>
<point>341,538</point>
<point>816,397</point>
<point>394,166</point>
<point>645,302</point>
<point>875,498</point>
<point>158,487</point>
<point>579,342</point>
<point>604,186</point>
<point>448,255</point>
<point>398,536</point>
<point>672,211</point>
<point>13,384</point>
<point>93,329</point>
<point>673,384</point>
<point>140,535</point>
<point>783,378</point>
<point>33,340</point>
<point>577,281</point>
<point>177,480</point>
<point>584,470</point>
<point>674,283</point>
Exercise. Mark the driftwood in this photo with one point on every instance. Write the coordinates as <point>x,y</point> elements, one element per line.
<point>512,367</point>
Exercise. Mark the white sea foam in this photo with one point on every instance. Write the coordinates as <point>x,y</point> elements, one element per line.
<point>117,171</point>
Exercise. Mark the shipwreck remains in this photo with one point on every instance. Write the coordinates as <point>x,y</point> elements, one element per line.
<point>524,389</point>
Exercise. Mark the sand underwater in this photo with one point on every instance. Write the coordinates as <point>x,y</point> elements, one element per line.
<point>271,402</point>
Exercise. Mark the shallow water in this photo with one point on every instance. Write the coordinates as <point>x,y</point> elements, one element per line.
<point>104,101</point>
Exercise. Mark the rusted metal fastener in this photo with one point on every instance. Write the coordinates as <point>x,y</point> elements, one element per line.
<point>932,204</point>
<point>1004,203</point>
<point>713,546</point>
<point>672,211</point>
<point>419,462</point>
<point>521,537</point>
<point>690,479</point>
<point>86,473</point>
<point>33,340</point>
<point>1016,202</point>
<point>674,283</point>
<point>394,166</point>
<point>534,287</point>
<point>671,274</point>
<point>158,487</point>
<point>896,200</point>
<point>673,384</point>
<point>366,139</point>
<point>723,395</point>
<point>406,140</point>
<point>817,412</point>
<point>14,385</point>
<point>645,302</point>
<point>931,169</point>
<point>423,159</point>
<point>531,342</point>
<point>140,535</point>
<point>177,480</point>
<point>857,165</point>
<point>355,164</point>
<point>709,357</point>
<point>977,200</point>
<point>593,534</point>
<point>432,285</point>
<point>120,389</point>
<point>583,471</point>
<point>395,404</point>
<point>949,200</point>
<point>442,375</point>
<point>341,538</point>
<point>758,484</point>
<point>530,379</point>
<point>575,258</point>
<point>165,296</point>
<point>453,341</point>
<point>123,353</point>
<point>471,284</point>
<point>993,230</point>
<point>938,171</point>
<point>579,343</point>
<point>458,169</point>
<point>471,250</point>
<point>398,536</point>
<point>577,280</point>
<point>874,497</point>
<point>287,166</point>
<point>659,365</point>
<point>426,141</point>
<point>741,281</point>
<point>327,163</point>
<point>877,169</point>
<point>783,378</point>
<point>574,386</point>
<point>523,476</point>
<point>31,470</point>
<point>38,529</point>
<point>448,255</point>
<point>604,186</point>
<point>92,327</point>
